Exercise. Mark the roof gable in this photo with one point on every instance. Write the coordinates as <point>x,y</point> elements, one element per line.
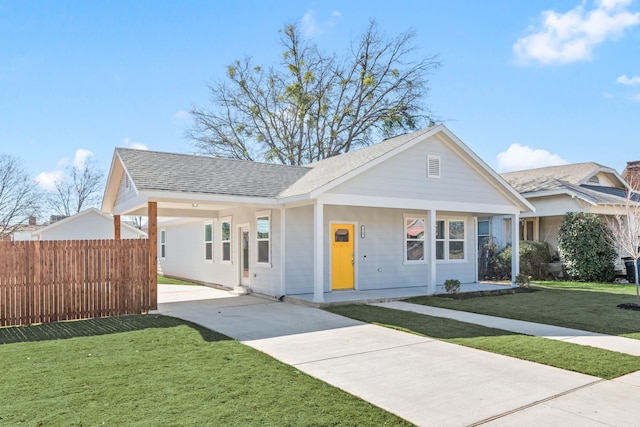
<point>554,177</point>
<point>91,212</point>
<point>591,182</point>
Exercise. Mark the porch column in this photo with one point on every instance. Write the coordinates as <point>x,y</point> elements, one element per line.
<point>318,252</point>
<point>152,220</point>
<point>116,227</point>
<point>431,235</point>
<point>515,247</point>
<point>283,251</point>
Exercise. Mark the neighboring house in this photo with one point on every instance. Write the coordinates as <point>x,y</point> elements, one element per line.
<point>631,174</point>
<point>88,224</point>
<point>556,190</point>
<point>24,231</point>
<point>400,213</point>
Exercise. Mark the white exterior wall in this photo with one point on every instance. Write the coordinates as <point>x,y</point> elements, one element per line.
<point>299,250</point>
<point>379,256</point>
<point>404,176</point>
<point>90,226</point>
<point>185,251</point>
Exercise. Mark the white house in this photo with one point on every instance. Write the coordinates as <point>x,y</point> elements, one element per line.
<point>88,224</point>
<point>556,190</point>
<point>400,213</point>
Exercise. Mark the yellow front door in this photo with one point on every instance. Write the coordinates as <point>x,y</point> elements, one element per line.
<point>342,256</point>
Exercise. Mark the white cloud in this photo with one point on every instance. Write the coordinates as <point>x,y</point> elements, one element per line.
<point>519,157</point>
<point>182,114</point>
<point>81,157</point>
<point>568,37</point>
<point>312,28</point>
<point>47,180</point>
<point>624,80</point>
<point>135,145</point>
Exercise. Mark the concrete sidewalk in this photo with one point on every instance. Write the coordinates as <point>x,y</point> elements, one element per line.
<point>593,339</point>
<point>423,380</point>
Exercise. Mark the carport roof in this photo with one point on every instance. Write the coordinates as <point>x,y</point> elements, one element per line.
<point>158,171</point>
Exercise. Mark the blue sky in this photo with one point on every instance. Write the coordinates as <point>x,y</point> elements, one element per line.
<point>522,83</point>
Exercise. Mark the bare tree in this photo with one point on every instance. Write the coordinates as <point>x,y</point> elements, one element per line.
<point>314,105</point>
<point>625,232</point>
<point>19,195</point>
<point>80,187</point>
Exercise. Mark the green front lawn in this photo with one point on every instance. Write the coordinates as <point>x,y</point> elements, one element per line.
<point>587,360</point>
<point>154,370</point>
<point>170,281</point>
<point>586,306</point>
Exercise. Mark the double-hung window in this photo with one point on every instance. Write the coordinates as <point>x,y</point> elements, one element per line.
<point>414,238</point>
<point>263,237</point>
<point>208,241</point>
<point>225,237</point>
<point>450,239</point>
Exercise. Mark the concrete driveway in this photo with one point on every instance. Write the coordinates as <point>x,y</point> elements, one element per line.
<point>423,380</point>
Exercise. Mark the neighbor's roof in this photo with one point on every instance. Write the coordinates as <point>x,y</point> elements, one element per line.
<point>569,179</point>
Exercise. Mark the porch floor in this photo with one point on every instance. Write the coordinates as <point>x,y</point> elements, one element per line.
<point>385,295</point>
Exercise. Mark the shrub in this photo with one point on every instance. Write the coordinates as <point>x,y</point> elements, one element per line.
<point>523,280</point>
<point>586,248</point>
<point>534,257</point>
<point>452,286</point>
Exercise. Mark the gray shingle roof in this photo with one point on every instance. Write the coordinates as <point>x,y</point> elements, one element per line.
<point>566,178</point>
<point>550,178</point>
<point>153,170</point>
<point>158,171</point>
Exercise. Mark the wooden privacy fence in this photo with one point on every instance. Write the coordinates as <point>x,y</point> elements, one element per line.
<point>48,281</point>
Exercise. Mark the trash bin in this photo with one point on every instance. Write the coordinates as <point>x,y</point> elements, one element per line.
<point>631,275</point>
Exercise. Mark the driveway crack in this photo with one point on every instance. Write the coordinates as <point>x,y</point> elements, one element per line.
<point>536,403</point>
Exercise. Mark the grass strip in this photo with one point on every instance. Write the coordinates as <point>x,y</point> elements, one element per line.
<point>171,281</point>
<point>585,306</point>
<point>574,357</point>
<point>158,370</point>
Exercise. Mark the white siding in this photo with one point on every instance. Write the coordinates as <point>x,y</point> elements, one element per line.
<point>405,176</point>
<point>555,205</point>
<point>299,250</point>
<point>379,256</point>
<point>124,193</point>
<point>88,226</point>
<point>185,252</point>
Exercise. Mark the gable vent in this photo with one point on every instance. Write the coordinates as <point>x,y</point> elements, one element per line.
<point>594,180</point>
<point>433,166</point>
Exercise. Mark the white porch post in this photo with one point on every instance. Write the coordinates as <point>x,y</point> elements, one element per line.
<point>515,247</point>
<point>283,251</point>
<point>431,235</point>
<point>318,252</point>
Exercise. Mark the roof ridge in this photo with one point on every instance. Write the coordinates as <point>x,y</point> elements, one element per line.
<point>204,156</point>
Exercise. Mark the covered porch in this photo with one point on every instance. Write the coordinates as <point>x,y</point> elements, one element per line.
<point>392,294</point>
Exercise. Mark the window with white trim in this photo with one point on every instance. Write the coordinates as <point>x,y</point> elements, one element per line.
<point>225,237</point>
<point>450,240</point>
<point>163,243</point>
<point>208,241</point>
<point>414,238</point>
<point>263,236</point>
